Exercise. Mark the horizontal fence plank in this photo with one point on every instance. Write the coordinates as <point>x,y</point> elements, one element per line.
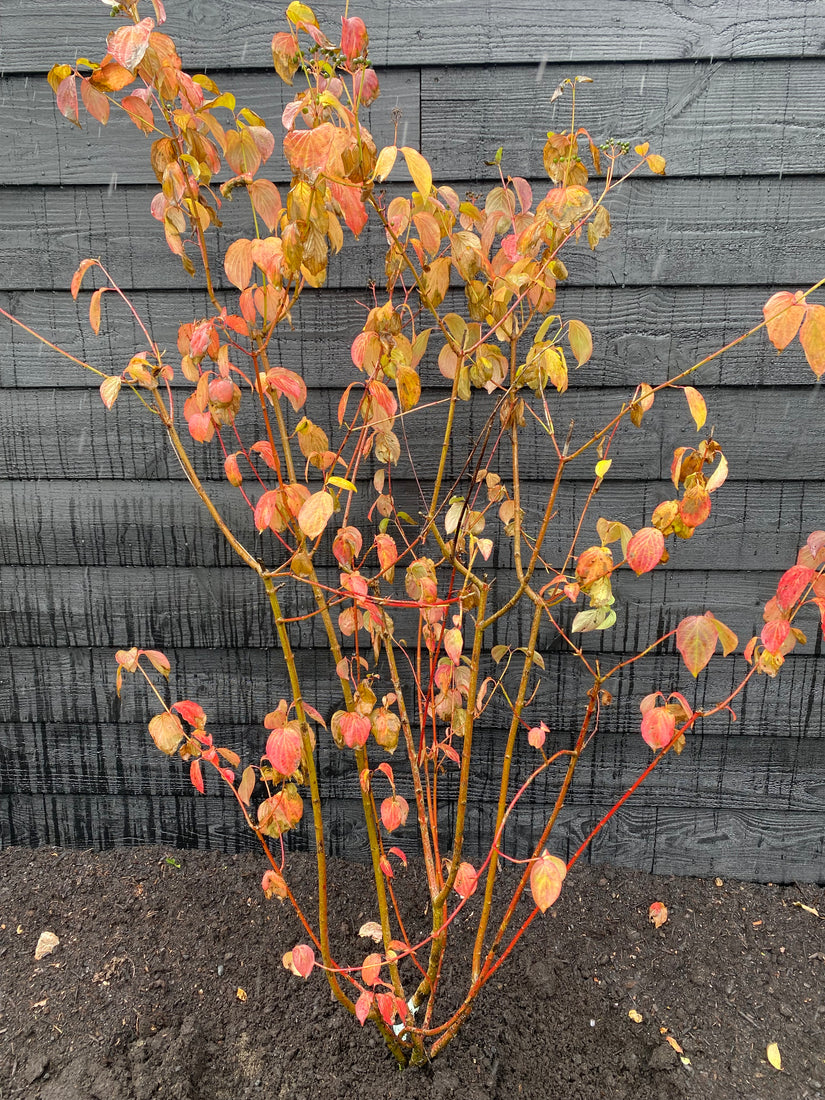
<point>412,32</point>
<point>124,523</point>
<point>709,118</point>
<point>61,687</point>
<point>639,334</point>
<point>705,232</point>
<point>43,148</point>
<point>767,434</point>
<point>760,846</point>
<point>172,607</point>
<point>712,772</point>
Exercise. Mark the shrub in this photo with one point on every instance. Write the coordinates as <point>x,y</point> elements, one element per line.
<point>408,610</point>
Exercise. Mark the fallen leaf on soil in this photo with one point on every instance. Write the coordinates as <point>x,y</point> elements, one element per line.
<point>45,945</point>
<point>809,909</point>
<point>635,1016</point>
<point>718,882</point>
<point>774,1057</point>
<point>371,931</point>
<point>657,914</point>
<point>240,994</point>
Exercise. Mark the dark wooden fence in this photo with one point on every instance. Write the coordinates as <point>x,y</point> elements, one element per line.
<point>101,546</point>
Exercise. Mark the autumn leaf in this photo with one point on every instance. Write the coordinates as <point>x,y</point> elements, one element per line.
<point>657,914</point>
<point>696,638</point>
<point>580,340</point>
<point>315,514</point>
<point>658,728</point>
<point>773,1055</point>
<point>127,45</point>
<point>546,877</point>
<point>466,880</point>
<point>645,549</point>
<point>167,732</point>
<point>812,338</point>
<point>419,170</point>
<point>109,389</point>
<point>697,406</point>
<point>784,314</point>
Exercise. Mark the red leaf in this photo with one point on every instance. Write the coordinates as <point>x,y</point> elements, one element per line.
<point>67,99</point>
<point>232,470</point>
<point>346,546</point>
<point>354,210</point>
<point>355,729</point>
<point>645,549</point>
<point>546,877</point>
<point>695,505</point>
<point>362,1008</point>
<point>303,960</point>
<point>466,880</point>
<point>371,969</point>
<point>394,812</point>
<point>195,775</point>
<point>658,728</point>
<point>283,749</point>
<point>696,639</point>
<point>784,313</point>
<point>127,45</point>
<point>190,712</point>
<point>290,384</point>
<point>774,634</point>
<point>812,338</point>
<point>400,854</point>
<point>792,584</point>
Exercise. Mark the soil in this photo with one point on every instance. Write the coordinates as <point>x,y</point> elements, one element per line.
<point>168,982</point>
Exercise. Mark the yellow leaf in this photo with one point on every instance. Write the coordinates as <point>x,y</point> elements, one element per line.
<point>774,1057</point>
<point>603,466</point>
<point>635,1016</point>
<point>656,164</point>
<point>419,170</point>
<point>240,994</point>
<point>642,149</point>
<point>385,162</point>
<point>808,909</point>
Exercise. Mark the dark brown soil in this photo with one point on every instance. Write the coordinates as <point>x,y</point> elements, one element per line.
<point>142,997</point>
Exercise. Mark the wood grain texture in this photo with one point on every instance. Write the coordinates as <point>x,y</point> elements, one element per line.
<point>767,434</point>
<point>418,32</point>
<point>44,148</point>
<point>706,118</point>
<point>122,523</point>
<point>762,847</point>
<point>103,759</point>
<point>639,334</point>
<point>65,687</point>
<point>685,232</point>
<point>224,608</point>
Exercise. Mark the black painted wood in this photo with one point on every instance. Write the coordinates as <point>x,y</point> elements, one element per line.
<point>93,557</point>
<point>418,32</point>
<point>706,232</point>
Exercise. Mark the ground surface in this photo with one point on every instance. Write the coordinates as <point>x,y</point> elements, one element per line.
<point>140,998</point>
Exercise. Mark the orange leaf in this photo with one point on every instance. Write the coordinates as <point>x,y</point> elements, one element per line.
<point>783,313</point>
<point>94,101</point>
<point>315,514</point>
<point>657,914</point>
<point>238,263</point>
<point>696,639</point>
<point>546,878</point>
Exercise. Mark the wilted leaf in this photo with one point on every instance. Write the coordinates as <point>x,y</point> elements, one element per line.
<point>166,731</point>
<point>635,1016</point>
<point>372,931</point>
<point>46,943</point>
<point>657,914</point>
